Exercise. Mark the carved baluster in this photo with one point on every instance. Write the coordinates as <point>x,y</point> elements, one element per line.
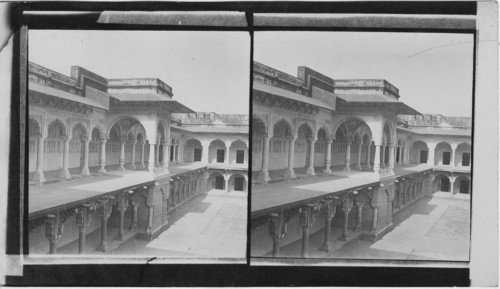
<point>277,231</point>
<point>134,200</point>
<point>306,221</point>
<point>359,204</point>
<point>329,210</point>
<point>104,211</point>
<point>53,231</point>
<point>149,196</point>
<point>346,208</point>
<point>121,206</point>
<point>165,197</point>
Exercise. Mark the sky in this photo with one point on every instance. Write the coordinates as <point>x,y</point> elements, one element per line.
<point>208,70</point>
<point>432,71</point>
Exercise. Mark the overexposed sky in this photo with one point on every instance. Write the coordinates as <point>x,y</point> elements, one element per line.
<point>208,70</point>
<point>432,71</point>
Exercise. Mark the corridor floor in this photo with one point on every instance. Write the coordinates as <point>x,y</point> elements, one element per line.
<point>433,228</point>
<point>208,226</point>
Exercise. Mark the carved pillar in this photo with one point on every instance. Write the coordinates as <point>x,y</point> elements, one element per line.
<point>166,157</point>
<point>264,173</point>
<point>277,231</point>
<point>452,182</point>
<point>359,204</point>
<point>432,149</point>
<point>226,152</point>
<point>122,154</point>
<point>391,158</point>
<point>368,152</point>
<point>104,212</point>
<point>132,163</point>
<point>64,175</point>
<point>382,163</point>
<point>53,231</point>
<point>148,194</point>
<point>348,156</point>
<point>143,144</point>
<point>290,173</point>
<point>157,154</point>
<point>165,195</point>
<point>151,161</point>
<point>328,162</point>
<point>453,150</point>
<point>226,179</point>
<point>329,209</point>
<point>306,221</point>
<point>346,208</point>
<point>134,200</point>
<point>121,206</point>
<point>310,169</point>
<point>102,169</point>
<point>375,218</point>
<point>358,165</point>
<point>376,160</point>
<point>39,177</point>
<point>83,218</point>
<point>85,169</point>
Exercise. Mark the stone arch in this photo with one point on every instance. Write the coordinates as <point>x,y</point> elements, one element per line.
<point>99,129</point>
<point>439,185</point>
<point>417,148</point>
<point>463,154</point>
<point>217,151</point>
<point>466,188</point>
<point>440,150</point>
<point>259,127</point>
<point>238,185</point>
<point>56,129</point>
<point>115,134</point>
<point>193,150</point>
<point>282,129</point>
<point>238,152</point>
<point>326,130</point>
<point>34,128</point>
<point>358,118</point>
<point>216,181</point>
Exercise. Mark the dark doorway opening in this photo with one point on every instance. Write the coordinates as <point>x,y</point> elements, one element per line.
<point>423,157</point>
<point>171,153</point>
<point>219,183</point>
<point>446,158</point>
<point>445,185</point>
<point>466,159</point>
<point>240,156</point>
<point>220,156</point>
<point>238,183</point>
<point>397,155</point>
<point>197,155</point>
<point>464,187</point>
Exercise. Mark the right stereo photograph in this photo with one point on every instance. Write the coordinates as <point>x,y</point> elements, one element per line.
<point>361,147</point>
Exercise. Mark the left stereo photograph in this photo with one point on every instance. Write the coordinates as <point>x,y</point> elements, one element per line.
<point>138,146</point>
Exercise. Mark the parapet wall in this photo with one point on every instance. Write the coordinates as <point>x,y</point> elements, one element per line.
<point>436,120</point>
<point>211,118</point>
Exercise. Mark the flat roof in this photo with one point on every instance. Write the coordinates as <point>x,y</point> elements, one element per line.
<point>63,94</point>
<point>438,131</point>
<point>212,129</point>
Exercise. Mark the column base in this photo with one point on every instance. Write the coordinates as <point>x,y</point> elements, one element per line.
<point>358,167</point>
<point>103,247</point>
<point>326,247</point>
<point>121,167</point>
<point>119,237</point>
<point>290,174</point>
<point>132,166</point>
<point>347,167</point>
<point>310,171</point>
<point>264,176</point>
<point>64,175</point>
<point>327,170</point>
<point>102,170</point>
<point>39,177</point>
<point>165,171</point>
<point>85,171</point>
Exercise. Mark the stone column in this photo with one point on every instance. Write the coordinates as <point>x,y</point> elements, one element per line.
<point>376,160</point>
<point>430,155</point>
<point>83,218</point>
<point>204,156</point>
<point>64,175</point>
<point>121,206</point>
<point>53,231</point>
<point>134,200</point>
<point>348,156</point>
<point>226,157</point>
<point>143,143</point>
<point>358,165</point>
<point>102,163</point>
<point>226,179</point>
<point>132,163</point>
<point>39,177</point>
<point>359,204</point>
<point>310,169</point>
<point>306,221</point>
<point>452,182</point>
<point>85,169</point>
<point>375,218</point>
<point>329,210</point>
<point>346,208</point>
<point>122,154</point>
<point>151,161</point>
<point>368,152</point>
<point>290,173</point>
<point>382,163</point>
<point>277,231</point>
<point>149,196</point>
<point>453,150</point>
<point>104,212</point>
<point>157,154</point>
<point>166,157</point>
<point>391,158</point>
<point>264,173</point>
<point>328,162</point>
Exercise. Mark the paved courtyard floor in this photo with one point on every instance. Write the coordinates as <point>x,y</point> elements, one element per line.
<point>208,226</point>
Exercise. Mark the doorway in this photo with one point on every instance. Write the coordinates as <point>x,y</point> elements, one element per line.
<point>220,156</point>
<point>445,185</point>
<point>197,155</point>
<point>219,182</point>
<point>464,187</point>
<point>238,183</point>
<point>423,156</point>
<point>466,159</point>
<point>446,158</point>
<point>240,156</point>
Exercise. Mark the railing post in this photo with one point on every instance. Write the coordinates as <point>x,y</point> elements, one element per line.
<point>277,231</point>
<point>329,209</point>
<point>104,211</point>
<point>306,221</point>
